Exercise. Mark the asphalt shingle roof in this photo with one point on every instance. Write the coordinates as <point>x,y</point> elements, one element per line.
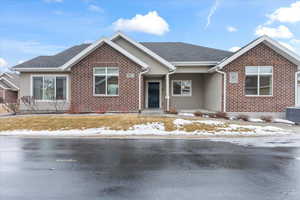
<point>170,51</point>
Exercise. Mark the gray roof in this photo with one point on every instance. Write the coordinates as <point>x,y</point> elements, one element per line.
<point>170,51</point>
<point>12,78</point>
<point>179,51</point>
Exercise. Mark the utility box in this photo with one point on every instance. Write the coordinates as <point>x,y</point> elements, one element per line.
<point>293,114</point>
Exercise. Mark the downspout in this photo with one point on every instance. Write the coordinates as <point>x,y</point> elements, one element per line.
<point>140,88</point>
<point>296,87</point>
<point>224,87</point>
<point>168,89</point>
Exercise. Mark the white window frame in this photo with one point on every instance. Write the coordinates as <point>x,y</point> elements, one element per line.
<point>50,75</point>
<point>258,81</point>
<point>105,74</point>
<point>181,95</point>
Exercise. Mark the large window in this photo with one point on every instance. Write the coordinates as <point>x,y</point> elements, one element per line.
<point>49,87</point>
<point>258,80</point>
<point>182,88</point>
<point>106,81</point>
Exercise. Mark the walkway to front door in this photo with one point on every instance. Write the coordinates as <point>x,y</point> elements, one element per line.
<point>153,94</point>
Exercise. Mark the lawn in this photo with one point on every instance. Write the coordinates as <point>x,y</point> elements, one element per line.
<point>113,122</point>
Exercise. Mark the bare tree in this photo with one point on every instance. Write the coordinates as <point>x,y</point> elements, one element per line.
<point>58,104</point>
<point>30,103</point>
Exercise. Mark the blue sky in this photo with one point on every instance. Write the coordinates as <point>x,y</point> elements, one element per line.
<point>30,28</point>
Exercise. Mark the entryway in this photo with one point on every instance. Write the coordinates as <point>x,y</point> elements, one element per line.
<point>153,94</point>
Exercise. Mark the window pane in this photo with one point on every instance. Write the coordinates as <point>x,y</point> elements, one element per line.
<point>100,85</point>
<point>177,87</point>
<point>38,88</point>
<point>49,85</point>
<point>112,85</point>
<point>265,85</point>
<point>186,87</point>
<point>61,88</point>
<point>252,70</point>
<point>265,69</point>
<point>251,85</point>
<point>113,71</point>
<point>100,70</point>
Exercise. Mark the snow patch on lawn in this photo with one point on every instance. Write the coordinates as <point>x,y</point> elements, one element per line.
<point>182,122</point>
<point>255,120</point>
<point>187,114</point>
<point>284,121</point>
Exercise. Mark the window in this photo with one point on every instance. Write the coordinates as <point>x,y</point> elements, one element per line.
<point>182,88</point>
<point>106,81</point>
<point>258,80</point>
<point>49,87</point>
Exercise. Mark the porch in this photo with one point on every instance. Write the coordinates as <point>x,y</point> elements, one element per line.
<point>184,92</point>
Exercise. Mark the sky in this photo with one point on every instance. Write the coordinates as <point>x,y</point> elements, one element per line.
<point>29,28</point>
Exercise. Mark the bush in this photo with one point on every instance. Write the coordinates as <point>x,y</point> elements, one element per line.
<point>172,111</point>
<point>198,114</point>
<point>243,117</point>
<point>221,115</point>
<point>212,115</point>
<point>267,118</point>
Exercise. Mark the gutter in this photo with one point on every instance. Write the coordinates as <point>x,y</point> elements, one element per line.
<point>140,88</point>
<point>296,87</point>
<point>224,87</point>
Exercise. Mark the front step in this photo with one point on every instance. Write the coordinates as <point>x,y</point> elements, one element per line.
<point>152,111</point>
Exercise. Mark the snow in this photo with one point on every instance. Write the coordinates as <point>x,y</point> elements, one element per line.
<point>255,120</point>
<point>157,128</point>
<point>284,121</point>
<point>187,114</point>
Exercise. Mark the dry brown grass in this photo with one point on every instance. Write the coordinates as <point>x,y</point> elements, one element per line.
<point>114,122</point>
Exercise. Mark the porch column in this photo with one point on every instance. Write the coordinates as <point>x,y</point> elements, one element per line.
<point>167,93</point>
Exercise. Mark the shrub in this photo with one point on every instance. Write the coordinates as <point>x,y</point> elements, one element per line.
<point>267,118</point>
<point>243,117</point>
<point>172,111</point>
<point>221,115</point>
<point>212,115</point>
<point>198,114</point>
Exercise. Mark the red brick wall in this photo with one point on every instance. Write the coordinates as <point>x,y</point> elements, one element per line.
<point>9,96</point>
<point>283,82</point>
<point>1,95</point>
<point>82,98</point>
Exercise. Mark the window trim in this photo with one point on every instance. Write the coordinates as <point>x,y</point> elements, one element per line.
<point>53,75</point>
<point>258,81</point>
<point>94,75</point>
<point>181,95</point>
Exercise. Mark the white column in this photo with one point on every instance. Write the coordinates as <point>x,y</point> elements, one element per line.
<point>167,93</point>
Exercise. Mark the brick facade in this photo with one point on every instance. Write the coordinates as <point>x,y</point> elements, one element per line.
<point>283,82</point>
<point>82,98</point>
<point>8,96</point>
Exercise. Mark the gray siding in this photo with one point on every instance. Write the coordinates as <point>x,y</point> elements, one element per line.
<point>156,67</point>
<point>196,101</point>
<point>25,90</point>
<point>213,92</point>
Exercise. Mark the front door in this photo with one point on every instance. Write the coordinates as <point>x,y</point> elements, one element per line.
<point>153,95</point>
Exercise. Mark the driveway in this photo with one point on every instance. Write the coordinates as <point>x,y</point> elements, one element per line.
<point>90,169</point>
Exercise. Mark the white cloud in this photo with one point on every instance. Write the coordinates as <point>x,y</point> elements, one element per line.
<point>295,41</point>
<point>231,29</point>
<point>212,11</point>
<point>287,46</point>
<point>289,14</point>
<point>20,61</point>
<point>3,63</point>
<point>54,1</point>
<point>95,8</point>
<point>279,32</point>
<point>150,23</point>
<point>234,49</point>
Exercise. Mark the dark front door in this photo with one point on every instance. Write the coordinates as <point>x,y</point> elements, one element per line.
<point>153,95</point>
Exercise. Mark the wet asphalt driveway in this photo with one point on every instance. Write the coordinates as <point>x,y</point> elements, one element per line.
<point>90,169</point>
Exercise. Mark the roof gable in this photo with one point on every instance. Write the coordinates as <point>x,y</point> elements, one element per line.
<point>144,49</point>
<point>93,47</point>
<point>276,46</point>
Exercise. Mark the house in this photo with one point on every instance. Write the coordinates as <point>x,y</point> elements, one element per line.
<point>9,87</point>
<point>119,74</point>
